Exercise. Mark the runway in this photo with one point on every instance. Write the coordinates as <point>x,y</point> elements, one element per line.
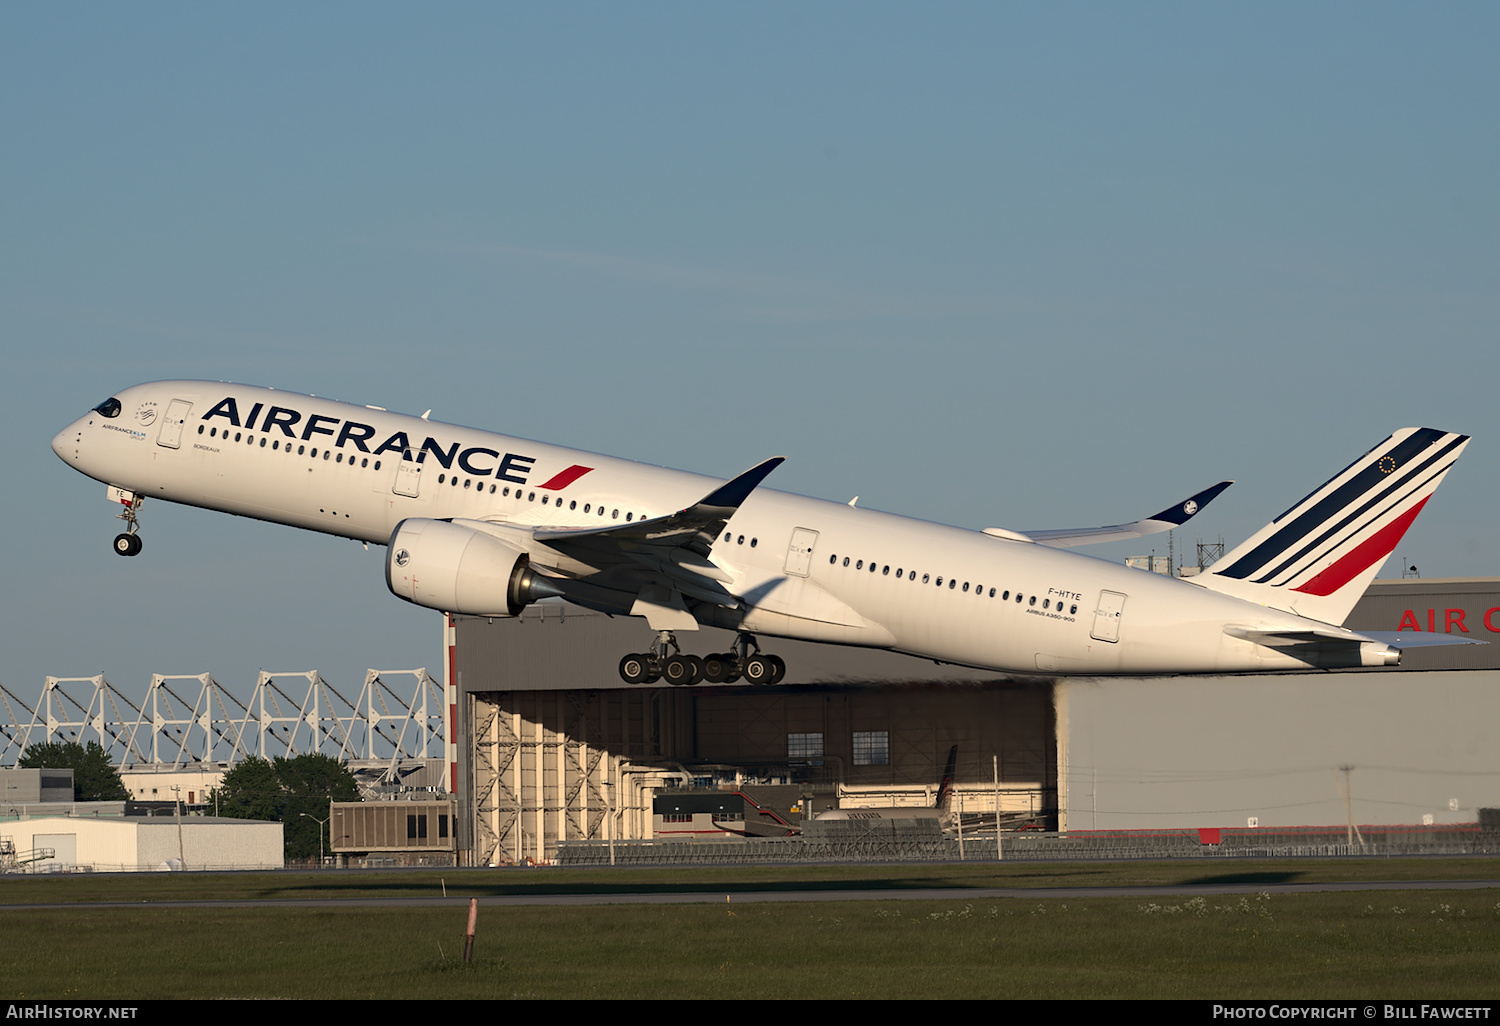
<point>700,897</point>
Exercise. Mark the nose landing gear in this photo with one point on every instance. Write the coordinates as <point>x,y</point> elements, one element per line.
<point>129,543</point>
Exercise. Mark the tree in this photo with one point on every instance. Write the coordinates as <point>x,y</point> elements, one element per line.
<point>95,778</point>
<point>283,790</point>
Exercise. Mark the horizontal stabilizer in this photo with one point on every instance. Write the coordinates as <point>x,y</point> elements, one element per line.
<point>1173,516</point>
<point>1334,646</point>
<point>1420,639</point>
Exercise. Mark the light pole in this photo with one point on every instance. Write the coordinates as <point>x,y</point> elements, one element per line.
<point>321,824</point>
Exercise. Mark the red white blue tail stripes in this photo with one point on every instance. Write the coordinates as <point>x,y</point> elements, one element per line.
<point>1317,558</point>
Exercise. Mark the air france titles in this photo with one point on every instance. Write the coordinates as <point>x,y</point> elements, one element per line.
<point>475,460</point>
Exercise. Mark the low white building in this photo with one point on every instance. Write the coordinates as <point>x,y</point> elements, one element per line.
<point>138,844</point>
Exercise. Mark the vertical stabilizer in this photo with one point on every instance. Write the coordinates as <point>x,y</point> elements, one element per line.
<point>1318,557</point>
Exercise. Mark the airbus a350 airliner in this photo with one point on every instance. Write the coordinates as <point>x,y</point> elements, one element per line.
<point>482,523</point>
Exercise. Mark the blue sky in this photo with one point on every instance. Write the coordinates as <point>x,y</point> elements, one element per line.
<point>1021,265</point>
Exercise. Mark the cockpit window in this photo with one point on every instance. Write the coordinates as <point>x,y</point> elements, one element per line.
<point>109,408</point>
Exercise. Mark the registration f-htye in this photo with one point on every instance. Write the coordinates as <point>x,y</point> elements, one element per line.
<point>482,523</point>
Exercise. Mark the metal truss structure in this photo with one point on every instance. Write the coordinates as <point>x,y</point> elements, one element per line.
<point>192,718</point>
<point>561,765</point>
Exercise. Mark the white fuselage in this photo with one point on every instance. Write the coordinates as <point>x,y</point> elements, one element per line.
<point>872,579</point>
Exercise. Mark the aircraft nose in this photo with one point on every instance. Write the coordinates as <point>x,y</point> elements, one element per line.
<point>65,442</point>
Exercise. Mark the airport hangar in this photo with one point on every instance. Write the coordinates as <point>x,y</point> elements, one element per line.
<point>547,743</point>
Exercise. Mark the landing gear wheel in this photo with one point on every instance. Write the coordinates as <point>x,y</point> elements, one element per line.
<point>778,669</point>
<point>719,668</point>
<point>127,544</point>
<point>759,669</point>
<point>682,669</point>
<point>635,669</point>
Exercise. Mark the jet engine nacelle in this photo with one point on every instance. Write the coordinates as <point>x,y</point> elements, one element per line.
<point>457,569</point>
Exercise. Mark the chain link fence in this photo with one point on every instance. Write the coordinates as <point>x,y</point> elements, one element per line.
<point>925,841</point>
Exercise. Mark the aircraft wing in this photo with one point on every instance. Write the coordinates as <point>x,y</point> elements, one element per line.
<point>693,529</point>
<point>1173,516</point>
<point>664,559</point>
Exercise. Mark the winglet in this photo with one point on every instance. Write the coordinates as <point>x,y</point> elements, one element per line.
<point>1173,516</point>
<point>731,494</point>
<point>1182,512</point>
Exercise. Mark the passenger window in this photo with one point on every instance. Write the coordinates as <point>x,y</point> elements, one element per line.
<point>859,564</point>
<point>262,442</point>
<point>832,560</point>
<point>886,571</point>
<point>442,479</point>
<point>1033,601</point>
<point>966,586</point>
<point>572,505</point>
<point>301,449</point>
<point>925,578</point>
<point>200,429</point>
<point>754,542</point>
<point>846,560</point>
<point>629,517</point>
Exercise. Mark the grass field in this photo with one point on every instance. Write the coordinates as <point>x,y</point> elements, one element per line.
<point>1364,944</point>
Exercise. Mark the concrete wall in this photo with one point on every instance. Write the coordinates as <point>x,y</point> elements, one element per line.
<point>1215,751</point>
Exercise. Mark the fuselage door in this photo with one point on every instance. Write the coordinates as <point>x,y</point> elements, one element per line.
<point>173,423</point>
<point>799,552</point>
<point>1107,617</point>
<point>408,476</point>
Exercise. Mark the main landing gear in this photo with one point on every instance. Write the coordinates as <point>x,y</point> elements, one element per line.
<point>720,668</point>
<point>129,543</point>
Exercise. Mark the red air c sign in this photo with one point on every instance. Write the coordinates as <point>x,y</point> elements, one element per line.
<point>1451,618</point>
